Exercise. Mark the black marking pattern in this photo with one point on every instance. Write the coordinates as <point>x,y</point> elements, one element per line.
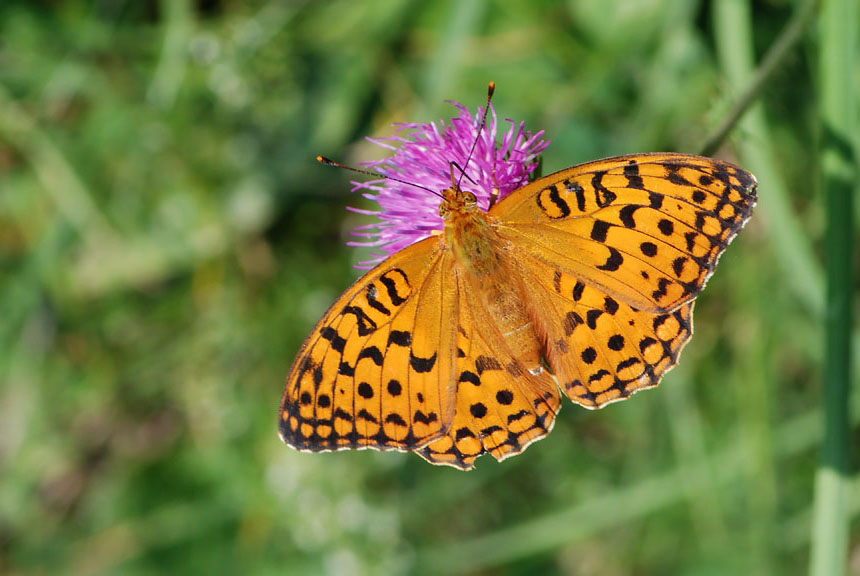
<point>422,365</point>
<point>389,281</point>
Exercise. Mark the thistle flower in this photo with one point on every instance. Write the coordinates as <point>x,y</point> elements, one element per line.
<point>423,154</point>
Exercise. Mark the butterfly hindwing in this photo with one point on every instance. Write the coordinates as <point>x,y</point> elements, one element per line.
<point>371,375</point>
<point>503,402</point>
<point>600,349</point>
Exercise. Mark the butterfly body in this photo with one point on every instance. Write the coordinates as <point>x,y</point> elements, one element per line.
<point>579,283</point>
<point>478,252</point>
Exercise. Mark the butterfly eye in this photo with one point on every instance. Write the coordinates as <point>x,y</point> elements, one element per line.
<point>469,199</point>
<point>443,210</point>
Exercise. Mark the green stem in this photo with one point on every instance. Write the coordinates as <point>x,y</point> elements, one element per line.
<point>837,50</point>
<point>789,242</point>
<point>178,23</point>
<point>782,47</point>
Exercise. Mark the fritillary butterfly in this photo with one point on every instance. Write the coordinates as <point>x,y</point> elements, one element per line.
<point>581,282</point>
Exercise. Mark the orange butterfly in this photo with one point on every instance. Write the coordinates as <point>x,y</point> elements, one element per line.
<point>580,282</point>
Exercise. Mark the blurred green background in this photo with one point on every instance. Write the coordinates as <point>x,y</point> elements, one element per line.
<point>167,241</point>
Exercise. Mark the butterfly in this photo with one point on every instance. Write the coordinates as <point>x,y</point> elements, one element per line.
<point>579,283</point>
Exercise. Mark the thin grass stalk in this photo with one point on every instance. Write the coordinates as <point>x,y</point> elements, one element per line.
<point>733,31</point>
<point>838,177</point>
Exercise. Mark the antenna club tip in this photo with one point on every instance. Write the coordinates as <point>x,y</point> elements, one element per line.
<point>491,88</point>
<point>324,160</point>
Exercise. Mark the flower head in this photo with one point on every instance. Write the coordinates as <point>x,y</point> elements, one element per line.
<point>423,154</point>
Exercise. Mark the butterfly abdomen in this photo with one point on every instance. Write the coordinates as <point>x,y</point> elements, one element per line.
<point>491,282</point>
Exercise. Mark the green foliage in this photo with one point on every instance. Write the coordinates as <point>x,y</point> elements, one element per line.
<point>167,241</point>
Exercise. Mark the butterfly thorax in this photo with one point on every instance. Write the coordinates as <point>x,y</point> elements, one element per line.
<point>469,233</point>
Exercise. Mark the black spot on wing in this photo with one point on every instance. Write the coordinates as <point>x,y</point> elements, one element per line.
<point>365,324</point>
<point>478,410</point>
<point>591,318</point>
<point>674,176</point>
<point>423,418</point>
<point>335,341</point>
<point>504,397</point>
<point>573,186</point>
<point>661,291</point>
<point>400,338</point>
<point>394,387</point>
<point>390,284</point>
<point>610,306</point>
<point>371,294</point>
<point>578,288</point>
<point>634,179</point>
<point>365,415</point>
<point>514,417</point>
<point>648,249</point>
<point>626,215</point>
<point>614,261</point>
<point>559,202</point>
<point>666,227</point>
<point>422,365</point>
<point>346,369</point>
<point>628,363</point>
<point>599,230</point>
<point>589,355</point>
<point>373,353</point>
<point>646,343</point>
<point>600,374</point>
<point>395,418</point>
<point>602,195</point>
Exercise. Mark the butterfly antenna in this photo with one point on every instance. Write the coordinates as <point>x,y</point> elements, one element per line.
<point>463,173</point>
<point>329,162</point>
<point>490,89</point>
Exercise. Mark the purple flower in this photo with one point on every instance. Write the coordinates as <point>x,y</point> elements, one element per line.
<point>423,154</point>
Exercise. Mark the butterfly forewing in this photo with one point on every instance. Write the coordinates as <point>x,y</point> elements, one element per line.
<point>646,229</point>
<point>375,371</point>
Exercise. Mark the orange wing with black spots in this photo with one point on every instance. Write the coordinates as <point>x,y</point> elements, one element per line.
<point>647,229</point>
<point>602,350</point>
<point>505,400</point>
<point>377,370</point>
<point>612,254</point>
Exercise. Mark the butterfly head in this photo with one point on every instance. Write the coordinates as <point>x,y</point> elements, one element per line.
<point>456,201</point>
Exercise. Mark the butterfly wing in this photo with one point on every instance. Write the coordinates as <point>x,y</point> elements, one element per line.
<point>612,254</point>
<point>371,375</point>
<point>646,229</point>
<point>602,350</point>
<point>505,399</point>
